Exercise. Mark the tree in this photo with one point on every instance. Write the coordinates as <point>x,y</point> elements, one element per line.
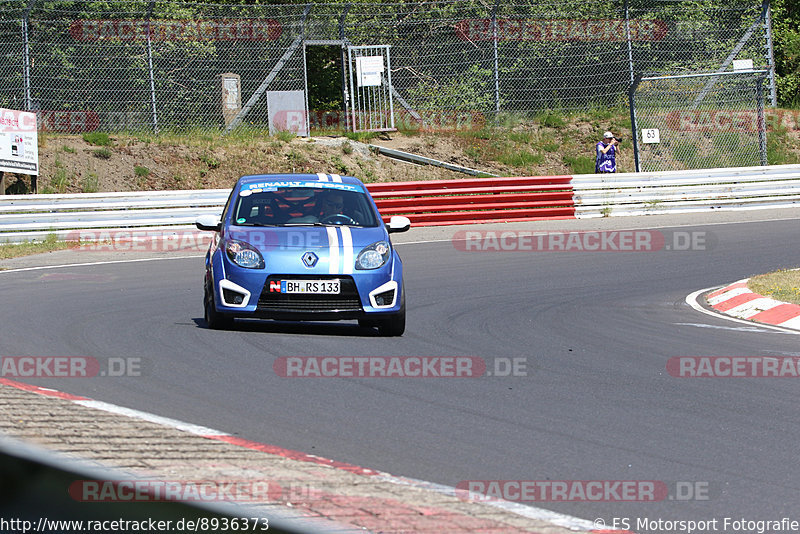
<point>786,37</point>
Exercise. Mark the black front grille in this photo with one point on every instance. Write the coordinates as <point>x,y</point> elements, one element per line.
<point>346,301</point>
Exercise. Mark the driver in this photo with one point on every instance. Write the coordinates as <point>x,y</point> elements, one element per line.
<point>332,204</point>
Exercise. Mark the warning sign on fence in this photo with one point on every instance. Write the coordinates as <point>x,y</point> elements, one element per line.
<point>19,149</point>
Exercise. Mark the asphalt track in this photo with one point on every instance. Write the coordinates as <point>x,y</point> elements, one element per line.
<point>596,330</point>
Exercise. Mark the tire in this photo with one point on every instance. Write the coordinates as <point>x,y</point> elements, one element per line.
<point>214,319</point>
<point>394,325</point>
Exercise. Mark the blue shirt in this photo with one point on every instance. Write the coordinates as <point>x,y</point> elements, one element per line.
<point>605,162</point>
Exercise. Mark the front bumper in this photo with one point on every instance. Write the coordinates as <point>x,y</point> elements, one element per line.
<point>364,294</point>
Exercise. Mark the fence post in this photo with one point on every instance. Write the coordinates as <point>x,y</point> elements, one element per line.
<point>628,39</point>
<point>150,6</point>
<point>26,55</point>
<point>345,66</point>
<point>634,128</point>
<point>762,133</point>
<point>496,65</point>
<point>773,93</point>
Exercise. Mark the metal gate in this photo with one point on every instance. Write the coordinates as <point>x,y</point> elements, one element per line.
<point>370,89</point>
<point>699,121</point>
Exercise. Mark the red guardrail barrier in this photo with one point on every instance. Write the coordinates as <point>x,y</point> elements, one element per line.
<point>476,200</point>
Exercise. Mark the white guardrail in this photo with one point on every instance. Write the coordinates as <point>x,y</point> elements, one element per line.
<point>34,217</point>
<point>603,195</point>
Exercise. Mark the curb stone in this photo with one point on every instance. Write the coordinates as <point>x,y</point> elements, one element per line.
<point>738,301</point>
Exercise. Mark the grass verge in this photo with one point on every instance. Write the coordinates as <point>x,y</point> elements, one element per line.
<point>783,285</point>
<point>50,244</point>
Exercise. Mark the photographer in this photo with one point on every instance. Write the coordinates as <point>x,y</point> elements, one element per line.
<point>606,154</point>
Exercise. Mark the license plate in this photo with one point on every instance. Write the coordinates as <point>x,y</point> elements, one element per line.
<point>326,287</point>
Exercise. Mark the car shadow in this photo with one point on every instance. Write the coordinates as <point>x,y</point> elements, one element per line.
<point>309,328</point>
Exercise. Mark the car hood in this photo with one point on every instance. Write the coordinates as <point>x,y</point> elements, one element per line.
<point>271,239</point>
<point>310,249</point>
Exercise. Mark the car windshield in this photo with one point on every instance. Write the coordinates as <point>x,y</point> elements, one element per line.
<point>308,203</point>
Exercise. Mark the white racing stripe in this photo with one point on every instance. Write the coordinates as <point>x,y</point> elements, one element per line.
<point>336,178</point>
<point>322,177</point>
<point>340,261</point>
<point>347,250</point>
<point>333,249</point>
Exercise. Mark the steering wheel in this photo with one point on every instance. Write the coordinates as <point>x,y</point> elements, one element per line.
<point>337,218</point>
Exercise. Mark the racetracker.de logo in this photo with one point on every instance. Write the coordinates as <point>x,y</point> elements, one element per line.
<point>193,491</point>
<point>68,367</point>
<point>597,30</point>
<point>581,241</point>
<point>736,121</point>
<point>68,121</point>
<point>140,240</point>
<point>734,367</point>
<point>175,30</point>
<point>562,490</point>
<point>379,367</point>
<point>423,120</point>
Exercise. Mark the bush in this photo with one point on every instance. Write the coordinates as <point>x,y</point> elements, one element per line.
<point>580,164</point>
<point>90,184</point>
<point>97,138</point>
<point>551,120</point>
<point>102,153</point>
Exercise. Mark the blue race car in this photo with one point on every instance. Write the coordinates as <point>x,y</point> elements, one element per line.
<point>303,247</point>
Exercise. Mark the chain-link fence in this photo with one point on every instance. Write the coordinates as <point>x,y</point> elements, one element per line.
<point>128,65</point>
<point>701,121</point>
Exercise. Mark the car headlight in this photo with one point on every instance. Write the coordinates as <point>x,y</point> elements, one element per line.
<point>244,254</point>
<point>373,256</point>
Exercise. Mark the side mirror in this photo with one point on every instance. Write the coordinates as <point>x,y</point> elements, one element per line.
<point>397,224</point>
<point>210,223</point>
